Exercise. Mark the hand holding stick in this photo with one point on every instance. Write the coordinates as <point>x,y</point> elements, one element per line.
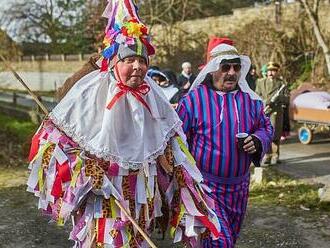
<point>144,235</point>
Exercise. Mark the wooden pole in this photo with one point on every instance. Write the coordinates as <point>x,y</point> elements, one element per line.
<point>34,96</point>
<point>144,235</point>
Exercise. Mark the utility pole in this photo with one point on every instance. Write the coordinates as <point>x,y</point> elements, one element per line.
<point>278,12</point>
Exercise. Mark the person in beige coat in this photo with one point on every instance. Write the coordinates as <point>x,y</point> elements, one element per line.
<point>275,99</point>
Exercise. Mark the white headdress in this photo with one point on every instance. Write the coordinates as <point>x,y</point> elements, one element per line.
<point>228,52</point>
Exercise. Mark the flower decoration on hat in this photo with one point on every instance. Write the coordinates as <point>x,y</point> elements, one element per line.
<point>124,28</point>
<point>134,29</point>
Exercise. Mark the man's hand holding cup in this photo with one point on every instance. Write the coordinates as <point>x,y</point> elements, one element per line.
<point>245,143</point>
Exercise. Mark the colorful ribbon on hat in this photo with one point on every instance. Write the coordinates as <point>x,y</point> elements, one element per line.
<point>124,27</point>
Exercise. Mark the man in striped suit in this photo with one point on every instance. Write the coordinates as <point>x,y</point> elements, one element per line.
<point>219,105</point>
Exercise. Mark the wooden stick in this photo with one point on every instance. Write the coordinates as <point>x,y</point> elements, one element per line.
<point>144,235</point>
<point>42,106</point>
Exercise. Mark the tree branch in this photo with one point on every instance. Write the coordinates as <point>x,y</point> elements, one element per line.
<point>317,33</point>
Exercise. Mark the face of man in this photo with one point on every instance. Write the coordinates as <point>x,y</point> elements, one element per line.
<point>164,83</point>
<point>156,78</point>
<point>132,71</point>
<point>272,74</point>
<point>187,70</point>
<point>161,81</point>
<point>226,78</point>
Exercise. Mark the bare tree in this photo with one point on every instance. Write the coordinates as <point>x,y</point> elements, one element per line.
<point>95,23</point>
<point>312,12</point>
<point>49,21</point>
<point>165,12</point>
<point>8,48</point>
<point>168,12</point>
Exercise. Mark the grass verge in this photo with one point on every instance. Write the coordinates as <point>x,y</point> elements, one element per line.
<point>15,137</point>
<point>18,129</point>
<point>281,190</point>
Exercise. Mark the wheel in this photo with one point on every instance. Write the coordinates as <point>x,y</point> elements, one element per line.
<point>305,135</point>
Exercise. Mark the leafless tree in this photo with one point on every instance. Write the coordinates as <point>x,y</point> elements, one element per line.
<point>8,48</point>
<point>311,8</point>
<point>168,12</point>
<point>41,20</point>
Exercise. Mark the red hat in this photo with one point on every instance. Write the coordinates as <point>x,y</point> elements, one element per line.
<point>215,41</point>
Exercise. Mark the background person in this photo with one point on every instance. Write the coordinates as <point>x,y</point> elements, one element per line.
<point>252,77</point>
<point>267,88</point>
<point>167,86</point>
<point>186,78</point>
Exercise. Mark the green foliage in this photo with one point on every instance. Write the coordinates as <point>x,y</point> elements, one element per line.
<point>19,129</point>
<point>306,70</point>
<point>49,93</point>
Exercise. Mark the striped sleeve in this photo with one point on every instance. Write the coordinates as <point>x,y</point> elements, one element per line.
<point>264,131</point>
<point>185,113</point>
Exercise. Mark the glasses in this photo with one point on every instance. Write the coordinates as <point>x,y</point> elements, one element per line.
<point>227,67</point>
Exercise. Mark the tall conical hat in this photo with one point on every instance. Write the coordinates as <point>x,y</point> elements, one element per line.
<point>125,34</point>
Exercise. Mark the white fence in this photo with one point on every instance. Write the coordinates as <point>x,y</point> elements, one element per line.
<point>54,57</point>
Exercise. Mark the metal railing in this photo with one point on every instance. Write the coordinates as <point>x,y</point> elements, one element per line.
<point>25,101</point>
<point>53,57</point>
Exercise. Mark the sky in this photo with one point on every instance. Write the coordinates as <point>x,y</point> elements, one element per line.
<point>3,4</point>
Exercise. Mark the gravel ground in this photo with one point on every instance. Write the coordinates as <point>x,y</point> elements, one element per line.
<point>21,225</point>
<point>281,227</point>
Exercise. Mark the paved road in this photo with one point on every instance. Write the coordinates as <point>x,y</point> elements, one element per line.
<point>310,163</point>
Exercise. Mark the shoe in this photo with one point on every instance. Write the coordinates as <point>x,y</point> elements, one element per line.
<point>275,161</point>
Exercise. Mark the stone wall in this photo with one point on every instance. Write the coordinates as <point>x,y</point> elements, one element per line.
<point>187,40</point>
<point>227,24</point>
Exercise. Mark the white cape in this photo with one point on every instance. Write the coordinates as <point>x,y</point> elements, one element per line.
<point>127,133</point>
<point>169,91</point>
